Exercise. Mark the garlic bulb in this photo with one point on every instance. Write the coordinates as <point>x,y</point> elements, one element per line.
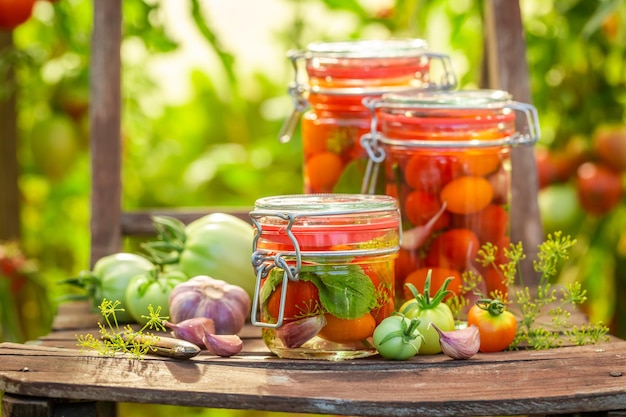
<point>202,296</point>
<point>459,344</point>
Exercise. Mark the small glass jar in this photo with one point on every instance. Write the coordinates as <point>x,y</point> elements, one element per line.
<point>447,161</point>
<point>340,75</point>
<point>325,277</point>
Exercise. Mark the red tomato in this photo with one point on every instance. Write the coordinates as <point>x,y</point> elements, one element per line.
<point>489,224</point>
<point>420,207</point>
<point>301,300</point>
<point>609,144</point>
<point>347,330</point>
<point>458,246</point>
<point>429,171</point>
<point>438,277</point>
<point>15,12</point>
<point>599,188</point>
<point>496,325</point>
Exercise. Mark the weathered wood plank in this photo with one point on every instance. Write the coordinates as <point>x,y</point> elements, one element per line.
<point>21,406</point>
<point>138,223</point>
<point>9,170</point>
<point>576,379</point>
<point>105,129</point>
<point>507,69</point>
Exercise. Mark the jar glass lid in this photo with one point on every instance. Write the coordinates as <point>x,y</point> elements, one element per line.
<point>388,48</point>
<point>458,99</point>
<point>326,204</point>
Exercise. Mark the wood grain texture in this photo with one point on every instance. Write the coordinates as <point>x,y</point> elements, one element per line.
<point>105,129</point>
<point>564,380</point>
<point>507,69</point>
<point>9,169</point>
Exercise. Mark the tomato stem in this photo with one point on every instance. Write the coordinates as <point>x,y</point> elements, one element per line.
<point>494,307</point>
<point>424,300</point>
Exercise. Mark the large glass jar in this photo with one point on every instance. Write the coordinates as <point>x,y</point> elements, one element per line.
<point>447,161</point>
<point>339,76</point>
<point>325,276</point>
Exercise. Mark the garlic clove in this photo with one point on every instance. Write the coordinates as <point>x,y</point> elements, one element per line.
<point>459,344</point>
<point>297,333</point>
<point>192,330</point>
<point>223,345</point>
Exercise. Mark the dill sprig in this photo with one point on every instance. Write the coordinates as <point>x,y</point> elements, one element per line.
<point>543,314</point>
<point>115,339</point>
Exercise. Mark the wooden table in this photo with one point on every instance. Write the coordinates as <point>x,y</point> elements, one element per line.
<point>54,377</point>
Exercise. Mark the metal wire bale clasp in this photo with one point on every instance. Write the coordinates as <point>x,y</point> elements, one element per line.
<point>264,261</point>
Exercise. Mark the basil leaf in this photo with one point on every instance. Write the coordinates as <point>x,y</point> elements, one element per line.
<point>345,290</point>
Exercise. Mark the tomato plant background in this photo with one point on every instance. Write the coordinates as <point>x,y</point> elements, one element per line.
<point>218,146</point>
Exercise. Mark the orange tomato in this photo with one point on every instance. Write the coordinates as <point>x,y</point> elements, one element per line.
<point>480,162</point>
<point>438,277</point>
<point>467,194</point>
<point>348,330</point>
<point>322,171</point>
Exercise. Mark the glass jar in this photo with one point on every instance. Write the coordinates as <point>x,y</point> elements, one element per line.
<point>325,277</point>
<point>447,161</point>
<point>340,75</point>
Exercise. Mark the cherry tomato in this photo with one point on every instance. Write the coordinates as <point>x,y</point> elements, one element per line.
<point>438,277</point>
<point>430,171</point>
<point>15,12</point>
<point>397,338</point>
<point>600,189</point>
<point>453,249</point>
<point>301,300</point>
<point>467,194</point>
<point>496,325</point>
<point>421,206</point>
<point>348,330</point>
<point>429,309</point>
<point>322,171</point>
<point>609,144</point>
<point>479,162</point>
<point>489,224</point>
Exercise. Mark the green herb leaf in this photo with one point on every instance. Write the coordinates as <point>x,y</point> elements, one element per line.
<point>345,290</point>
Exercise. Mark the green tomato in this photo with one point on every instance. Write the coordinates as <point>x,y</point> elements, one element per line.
<point>220,245</point>
<point>151,288</point>
<point>441,315</point>
<point>397,337</point>
<point>110,277</point>
<point>429,310</point>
